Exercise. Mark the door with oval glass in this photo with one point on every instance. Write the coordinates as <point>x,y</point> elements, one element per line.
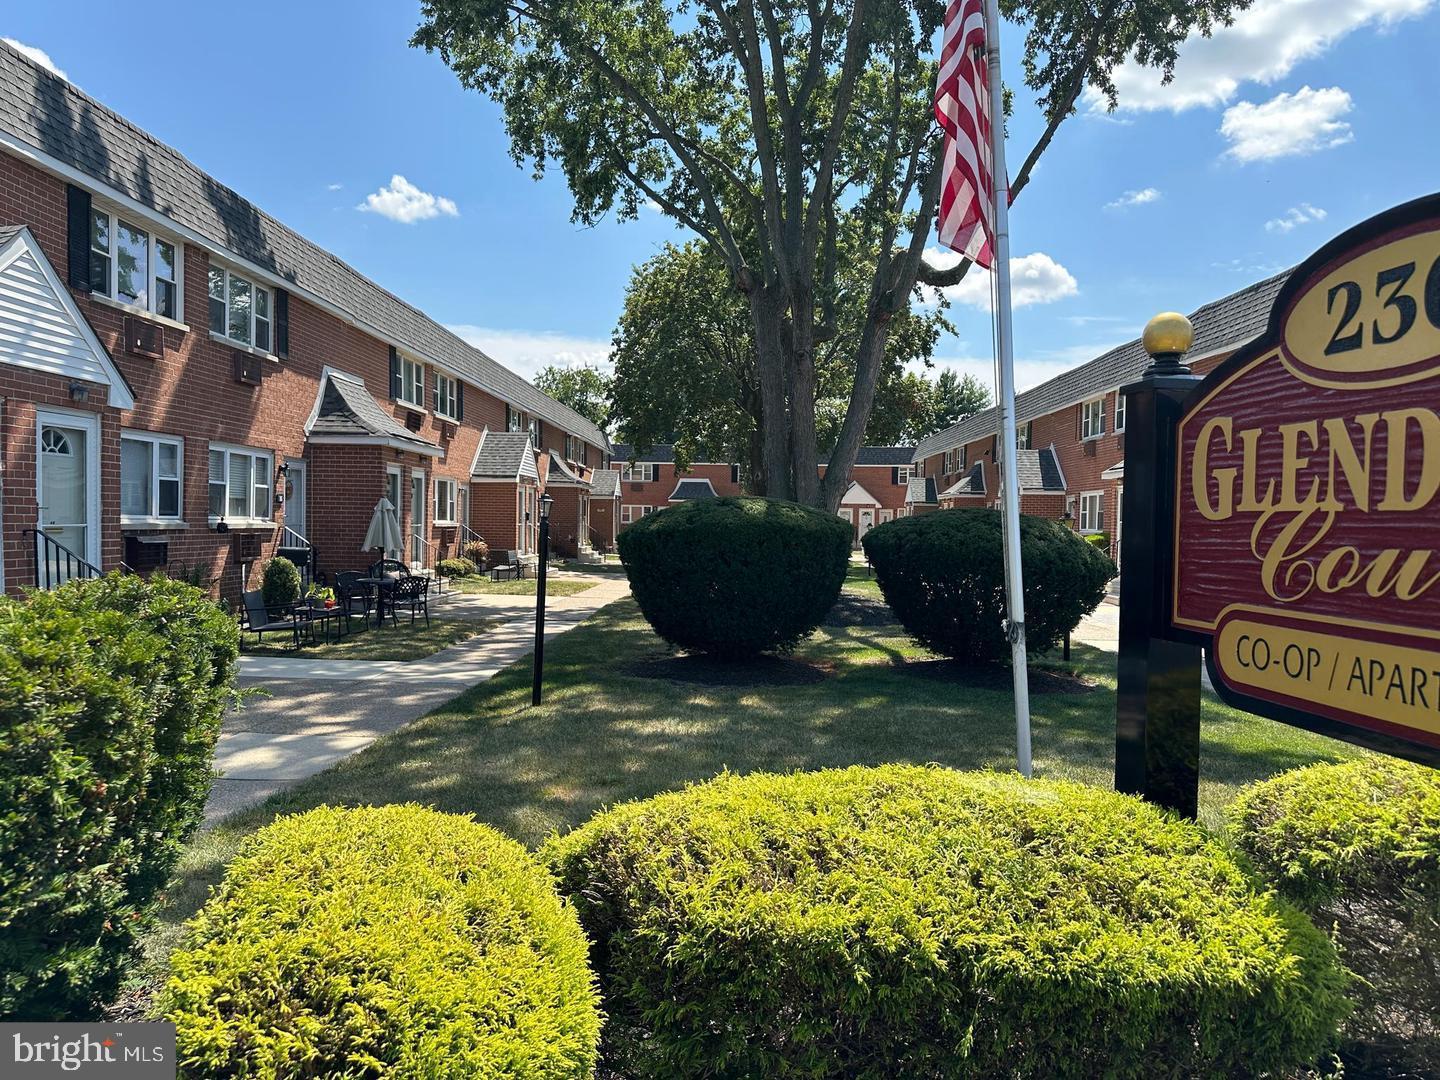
<point>66,484</point>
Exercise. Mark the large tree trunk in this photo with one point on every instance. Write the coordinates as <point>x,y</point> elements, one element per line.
<point>869,357</point>
<point>803,462</point>
<point>767,316</point>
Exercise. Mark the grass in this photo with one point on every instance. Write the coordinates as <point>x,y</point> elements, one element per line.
<point>603,736</point>
<point>402,642</point>
<point>859,578</point>
<point>521,587</point>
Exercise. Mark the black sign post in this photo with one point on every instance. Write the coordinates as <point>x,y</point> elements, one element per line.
<point>1157,729</point>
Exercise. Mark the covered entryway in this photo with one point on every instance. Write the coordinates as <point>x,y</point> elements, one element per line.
<point>861,509</point>
<point>67,483</point>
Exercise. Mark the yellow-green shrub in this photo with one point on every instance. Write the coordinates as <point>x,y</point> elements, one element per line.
<point>393,941</point>
<point>919,922</point>
<point>1357,846</point>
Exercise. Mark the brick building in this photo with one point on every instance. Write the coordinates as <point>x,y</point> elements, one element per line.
<point>878,486</point>
<point>654,481</point>
<point>1072,428</point>
<point>186,381</point>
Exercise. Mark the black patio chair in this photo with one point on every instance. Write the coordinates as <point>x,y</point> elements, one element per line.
<point>392,567</point>
<point>260,620</point>
<point>412,594</point>
<point>354,596</point>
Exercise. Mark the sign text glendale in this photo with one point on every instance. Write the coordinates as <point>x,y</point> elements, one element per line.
<point>1307,522</point>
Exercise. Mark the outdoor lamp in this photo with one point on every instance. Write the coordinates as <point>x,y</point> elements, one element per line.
<point>538,664</point>
<point>546,502</point>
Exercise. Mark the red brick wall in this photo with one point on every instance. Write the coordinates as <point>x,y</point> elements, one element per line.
<point>656,492</point>
<point>494,514</point>
<point>565,515</point>
<point>604,519</point>
<point>192,393</point>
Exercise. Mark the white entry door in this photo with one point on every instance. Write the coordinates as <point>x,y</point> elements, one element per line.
<point>1119,521</point>
<point>392,492</point>
<point>866,523</point>
<point>67,472</point>
<point>417,517</point>
<point>297,491</point>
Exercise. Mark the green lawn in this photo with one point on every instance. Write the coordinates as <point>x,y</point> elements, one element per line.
<point>604,735</point>
<point>402,642</point>
<point>521,587</point>
<point>861,579</point>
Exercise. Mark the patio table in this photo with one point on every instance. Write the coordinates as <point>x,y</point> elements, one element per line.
<point>310,614</point>
<point>383,586</point>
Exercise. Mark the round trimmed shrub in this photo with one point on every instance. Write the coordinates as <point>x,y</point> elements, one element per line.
<point>111,694</point>
<point>1357,846</point>
<point>453,568</point>
<point>943,574</point>
<point>908,921</point>
<point>384,941</point>
<point>738,576</point>
<point>280,584</point>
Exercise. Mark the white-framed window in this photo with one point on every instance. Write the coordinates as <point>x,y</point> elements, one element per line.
<point>1092,512</point>
<point>446,397</point>
<point>412,382</point>
<point>1119,411</point>
<point>514,421</point>
<point>535,431</point>
<point>627,513</point>
<point>642,472</point>
<point>574,451</point>
<point>1023,435</point>
<point>134,266</point>
<point>1092,419</point>
<point>902,475</point>
<point>239,309</point>
<point>151,467</point>
<point>445,499</point>
<point>240,483</point>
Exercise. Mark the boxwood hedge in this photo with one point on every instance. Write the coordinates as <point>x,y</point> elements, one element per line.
<point>943,574</point>
<point>735,577</point>
<point>393,941</point>
<point>1357,845</point>
<point>111,693</point>
<point>909,921</point>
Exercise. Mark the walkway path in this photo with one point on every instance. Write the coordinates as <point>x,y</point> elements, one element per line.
<point>317,712</point>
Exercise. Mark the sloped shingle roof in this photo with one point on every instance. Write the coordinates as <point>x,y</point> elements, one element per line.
<point>561,473</point>
<point>692,489</point>
<point>504,455</point>
<point>1220,324</point>
<point>605,483</point>
<point>348,410</point>
<point>884,455</point>
<point>921,490</point>
<point>972,483</point>
<point>51,115</point>
<point>1038,470</point>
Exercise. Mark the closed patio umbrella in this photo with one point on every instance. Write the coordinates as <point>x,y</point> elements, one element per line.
<point>384,531</point>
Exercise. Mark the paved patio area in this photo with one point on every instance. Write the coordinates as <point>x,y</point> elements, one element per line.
<point>316,712</point>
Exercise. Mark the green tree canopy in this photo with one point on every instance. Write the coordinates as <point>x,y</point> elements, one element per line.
<point>585,389</point>
<point>781,132</point>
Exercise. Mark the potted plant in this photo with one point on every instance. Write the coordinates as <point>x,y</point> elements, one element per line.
<point>322,595</point>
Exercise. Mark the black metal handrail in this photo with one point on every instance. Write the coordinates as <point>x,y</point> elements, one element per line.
<point>50,555</point>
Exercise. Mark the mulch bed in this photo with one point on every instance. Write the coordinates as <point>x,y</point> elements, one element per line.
<point>852,610</point>
<point>707,671</point>
<point>995,677</point>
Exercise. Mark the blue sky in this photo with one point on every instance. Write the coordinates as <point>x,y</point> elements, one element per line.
<point>1305,117</point>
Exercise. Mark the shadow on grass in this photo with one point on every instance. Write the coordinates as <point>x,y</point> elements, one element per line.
<point>604,736</point>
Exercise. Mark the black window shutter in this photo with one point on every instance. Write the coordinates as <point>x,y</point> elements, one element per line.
<point>394,374</point>
<point>894,476</point>
<point>77,225</point>
<point>282,323</point>
<point>734,474</point>
<point>459,400</point>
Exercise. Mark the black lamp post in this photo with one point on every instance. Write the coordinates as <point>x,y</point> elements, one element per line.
<point>545,503</point>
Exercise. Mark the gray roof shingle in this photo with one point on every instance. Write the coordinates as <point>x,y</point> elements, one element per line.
<point>972,483</point>
<point>1220,324</point>
<point>50,114</point>
<point>884,455</point>
<point>504,455</point>
<point>348,410</point>
<point>1038,470</point>
<point>921,491</point>
<point>686,490</point>
<point>561,473</point>
<point>605,483</point>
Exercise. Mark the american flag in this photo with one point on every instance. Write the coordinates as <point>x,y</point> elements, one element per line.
<point>962,106</point>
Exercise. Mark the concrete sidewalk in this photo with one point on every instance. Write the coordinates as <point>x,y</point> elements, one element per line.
<point>310,718</point>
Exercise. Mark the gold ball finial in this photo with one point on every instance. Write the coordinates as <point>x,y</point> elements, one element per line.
<point>1168,333</point>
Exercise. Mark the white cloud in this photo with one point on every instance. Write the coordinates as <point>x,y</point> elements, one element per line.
<point>526,352</point>
<point>333,187</point>
<point>402,201</point>
<point>1295,216</point>
<point>1134,198</point>
<point>1034,279</point>
<point>1304,122</point>
<point>1264,44</point>
<point>40,56</point>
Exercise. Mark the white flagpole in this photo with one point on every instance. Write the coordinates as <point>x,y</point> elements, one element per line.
<point>1009,473</point>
